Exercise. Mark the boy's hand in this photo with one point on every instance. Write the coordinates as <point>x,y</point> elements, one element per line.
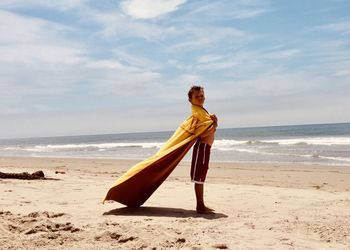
<point>215,119</point>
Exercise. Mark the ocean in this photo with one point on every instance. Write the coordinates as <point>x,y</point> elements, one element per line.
<point>321,144</point>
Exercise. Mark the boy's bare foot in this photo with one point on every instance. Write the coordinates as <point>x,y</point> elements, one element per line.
<point>205,210</point>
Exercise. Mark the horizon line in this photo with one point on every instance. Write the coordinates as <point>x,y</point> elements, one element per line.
<point>163,131</point>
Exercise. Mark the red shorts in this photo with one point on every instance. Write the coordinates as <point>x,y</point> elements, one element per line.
<point>200,162</point>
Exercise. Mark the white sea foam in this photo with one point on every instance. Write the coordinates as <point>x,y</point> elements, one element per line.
<point>226,145</point>
<point>335,158</point>
<point>309,148</point>
<point>332,158</point>
<point>219,144</point>
<point>80,147</point>
<point>324,141</point>
<point>315,156</point>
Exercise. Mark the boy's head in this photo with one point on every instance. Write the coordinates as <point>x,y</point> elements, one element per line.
<point>196,95</point>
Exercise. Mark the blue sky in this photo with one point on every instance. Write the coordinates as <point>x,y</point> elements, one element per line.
<point>75,67</point>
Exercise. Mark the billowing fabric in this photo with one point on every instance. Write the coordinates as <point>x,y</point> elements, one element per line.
<point>135,186</point>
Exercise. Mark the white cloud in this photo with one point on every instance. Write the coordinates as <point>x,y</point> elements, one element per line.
<point>146,9</point>
<point>278,98</point>
<point>60,5</point>
<point>124,83</point>
<point>341,27</point>
<point>227,62</point>
<point>105,64</point>
<point>132,59</point>
<point>234,64</point>
<point>279,84</point>
<point>140,63</point>
<point>274,84</point>
<point>40,65</point>
<point>190,79</point>
<point>29,39</point>
<point>173,35</point>
<point>330,57</point>
<point>116,25</point>
<point>240,9</point>
<point>35,61</point>
<point>343,72</point>
<point>171,38</point>
<point>281,54</point>
<point>242,14</point>
<point>209,58</point>
<point>196,38</point>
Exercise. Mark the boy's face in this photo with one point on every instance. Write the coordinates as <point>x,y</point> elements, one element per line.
<point>198,98</point>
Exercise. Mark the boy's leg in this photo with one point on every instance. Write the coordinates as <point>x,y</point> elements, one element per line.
<point>199,189</point>
<point>199,167</point>
<point>201,208</point>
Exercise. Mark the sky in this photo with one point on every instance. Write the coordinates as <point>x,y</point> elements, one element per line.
<point>75,67</point>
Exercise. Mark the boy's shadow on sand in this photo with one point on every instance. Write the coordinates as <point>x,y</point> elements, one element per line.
<point>162,212</point>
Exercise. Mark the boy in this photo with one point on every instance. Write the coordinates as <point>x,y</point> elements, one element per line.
<point>201,151</point>
<point>137,184</point>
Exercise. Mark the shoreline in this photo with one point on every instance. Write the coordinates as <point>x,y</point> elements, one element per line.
<point>289,175</point>
<point>258,206</point>
<point>184,160</point>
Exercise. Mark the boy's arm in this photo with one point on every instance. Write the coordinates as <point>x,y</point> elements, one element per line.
<point>212,128</point>
<point>209,131</point>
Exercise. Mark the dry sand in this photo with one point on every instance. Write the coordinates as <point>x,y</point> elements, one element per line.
<point>259,206</point>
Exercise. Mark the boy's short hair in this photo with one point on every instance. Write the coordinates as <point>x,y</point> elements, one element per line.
<point>192,89</point>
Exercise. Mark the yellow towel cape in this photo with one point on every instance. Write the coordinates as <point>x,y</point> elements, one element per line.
<point>135,186</point>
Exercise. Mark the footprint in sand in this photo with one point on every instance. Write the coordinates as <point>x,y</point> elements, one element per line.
<point>178,243</point>
<point>114,236</point>
<point>53,227</point>
<point>126,239</point>
<point>36,222</point>
<point>220,246</point>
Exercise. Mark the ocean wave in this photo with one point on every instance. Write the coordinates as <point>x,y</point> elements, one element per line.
<point>335,158</point>
<point>84,147</point>
<point>321,141</point>
<point>324,141</point>
<point>241,150</point>
<point>255,149</point>
<point>225,143</point>
<point>219,144</point>
<point>295,156</point>
<point>317,156</point>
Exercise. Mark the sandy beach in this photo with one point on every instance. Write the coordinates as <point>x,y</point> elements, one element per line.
<point>258,206</point>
